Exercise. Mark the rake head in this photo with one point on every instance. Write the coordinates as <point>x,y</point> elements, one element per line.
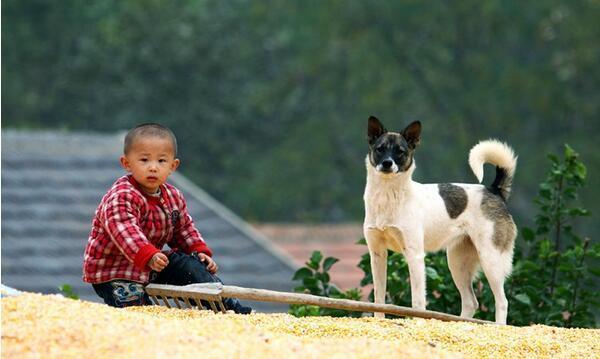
<point>198,295</point>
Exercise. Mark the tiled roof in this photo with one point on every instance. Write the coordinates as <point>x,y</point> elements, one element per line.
<point>51,185</point>
<point>333,240</point>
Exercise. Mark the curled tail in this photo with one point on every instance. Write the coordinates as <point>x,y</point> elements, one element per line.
<point>500,155</point>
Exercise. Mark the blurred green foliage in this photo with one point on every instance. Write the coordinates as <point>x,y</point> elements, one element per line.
<point>270,99</point>
<point>557,277</point>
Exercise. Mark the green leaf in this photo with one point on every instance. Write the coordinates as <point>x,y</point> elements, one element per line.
<point>315,260</point>
<point>553,158</point>
<point>302,273</point>
<point>312,284</point>
<point>580,170</point>
<point>523,298</point>
<point>432,273</point>
<point>328,262</point>
<point>323,277</point>
<point>578,211</point>
<point>569,152</point>
<point>67,291</point>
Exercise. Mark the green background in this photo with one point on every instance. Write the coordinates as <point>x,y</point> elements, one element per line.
<point>270,99</point>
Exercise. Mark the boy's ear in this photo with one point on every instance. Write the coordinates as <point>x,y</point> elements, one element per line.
<point>412,134</point>
<point>375,129</point>
<point>175,164</point>
<point>124,163</point>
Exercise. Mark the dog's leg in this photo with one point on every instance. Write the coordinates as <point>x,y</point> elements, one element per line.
<point>462,261</point>
<point>415,258</point>
<point>378,252</point>
<point>496,265</point>
<point>495,277</point>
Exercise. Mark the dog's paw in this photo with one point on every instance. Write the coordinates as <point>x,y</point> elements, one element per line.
<point>379,315</point>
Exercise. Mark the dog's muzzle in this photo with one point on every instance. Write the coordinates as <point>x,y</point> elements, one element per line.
<point>387,166</point>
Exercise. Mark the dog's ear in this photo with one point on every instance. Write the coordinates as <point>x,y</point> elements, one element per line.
<point>375,129</point>
<point>412,134</point>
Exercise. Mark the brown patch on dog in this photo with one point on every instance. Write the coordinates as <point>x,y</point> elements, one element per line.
<point>455,198</point>
<point>505,230</point>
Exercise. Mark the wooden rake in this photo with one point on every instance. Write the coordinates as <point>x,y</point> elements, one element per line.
<point>205,295</point>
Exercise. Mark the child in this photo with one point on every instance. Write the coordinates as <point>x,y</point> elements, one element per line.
<point>138,215</point>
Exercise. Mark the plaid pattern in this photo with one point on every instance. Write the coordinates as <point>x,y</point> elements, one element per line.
<point>129,227</point>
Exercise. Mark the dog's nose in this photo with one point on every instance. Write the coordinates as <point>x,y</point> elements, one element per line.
<point>387,164</point>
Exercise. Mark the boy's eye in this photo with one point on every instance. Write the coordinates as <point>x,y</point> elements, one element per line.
<point>162,160</point>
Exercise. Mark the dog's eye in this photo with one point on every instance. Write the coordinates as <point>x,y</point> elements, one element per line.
<point>380,149</point>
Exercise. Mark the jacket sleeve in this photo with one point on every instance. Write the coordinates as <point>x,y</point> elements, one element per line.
<point>186,236</point>
<point>121,221</point>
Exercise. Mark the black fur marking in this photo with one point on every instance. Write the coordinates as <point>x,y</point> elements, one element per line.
<point>494,208</point>
<point>455,198</point>
<point>500,182</point>
<point>375,129</point>
<point>412,134</point>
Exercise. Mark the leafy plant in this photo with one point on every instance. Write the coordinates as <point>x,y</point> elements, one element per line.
<point>316,280</point>
<point>67,291</point>
<point>555,280</point>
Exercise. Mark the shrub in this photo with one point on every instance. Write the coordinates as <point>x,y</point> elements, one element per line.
<point>554,281</point>
<point>315,280</point>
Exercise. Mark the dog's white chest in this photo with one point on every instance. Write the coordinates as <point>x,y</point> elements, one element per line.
<point>385,206</point>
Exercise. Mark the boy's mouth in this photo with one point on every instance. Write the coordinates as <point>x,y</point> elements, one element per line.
<point>152,178</point>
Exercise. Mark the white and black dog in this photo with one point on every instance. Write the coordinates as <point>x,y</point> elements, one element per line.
<point>470,221</point>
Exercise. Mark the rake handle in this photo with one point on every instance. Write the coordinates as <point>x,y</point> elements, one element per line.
<point>346,304</point>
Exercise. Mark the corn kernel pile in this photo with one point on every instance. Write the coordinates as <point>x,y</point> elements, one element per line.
<point>51,326</point>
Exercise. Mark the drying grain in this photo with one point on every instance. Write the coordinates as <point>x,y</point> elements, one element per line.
<point>51,326</point>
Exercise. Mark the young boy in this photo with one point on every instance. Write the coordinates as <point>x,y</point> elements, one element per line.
<point>138,215</point>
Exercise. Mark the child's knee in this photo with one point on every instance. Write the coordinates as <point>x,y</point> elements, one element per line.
<point>192,270</point>
<point>196,272</point>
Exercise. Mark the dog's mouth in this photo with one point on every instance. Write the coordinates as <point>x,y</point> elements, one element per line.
<point>387,167</point>
<point>385,170</point>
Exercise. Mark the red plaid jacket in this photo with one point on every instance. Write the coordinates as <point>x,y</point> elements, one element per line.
<point>129,227</point>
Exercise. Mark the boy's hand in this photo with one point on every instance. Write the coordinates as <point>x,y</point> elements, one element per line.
<point>158,262</point>
<point>211,265</point>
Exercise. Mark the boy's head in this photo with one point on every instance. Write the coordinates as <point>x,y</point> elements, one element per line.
<point>149,130</point>
<point>149,153</point>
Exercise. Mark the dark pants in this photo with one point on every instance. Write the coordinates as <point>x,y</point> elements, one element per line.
<point>182,269</point>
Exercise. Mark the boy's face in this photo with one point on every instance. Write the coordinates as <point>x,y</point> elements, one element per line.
<point>150,160</point>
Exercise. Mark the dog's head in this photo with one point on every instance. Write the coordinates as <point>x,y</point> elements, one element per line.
<point>391,152</point>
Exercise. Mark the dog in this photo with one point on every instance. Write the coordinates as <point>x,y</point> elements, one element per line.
<point>470,221</point>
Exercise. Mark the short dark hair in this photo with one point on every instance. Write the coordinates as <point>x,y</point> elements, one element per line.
<point>150,129</point>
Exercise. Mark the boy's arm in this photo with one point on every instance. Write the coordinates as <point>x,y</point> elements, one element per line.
<point>186,236</point>
<point>121,215</point>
